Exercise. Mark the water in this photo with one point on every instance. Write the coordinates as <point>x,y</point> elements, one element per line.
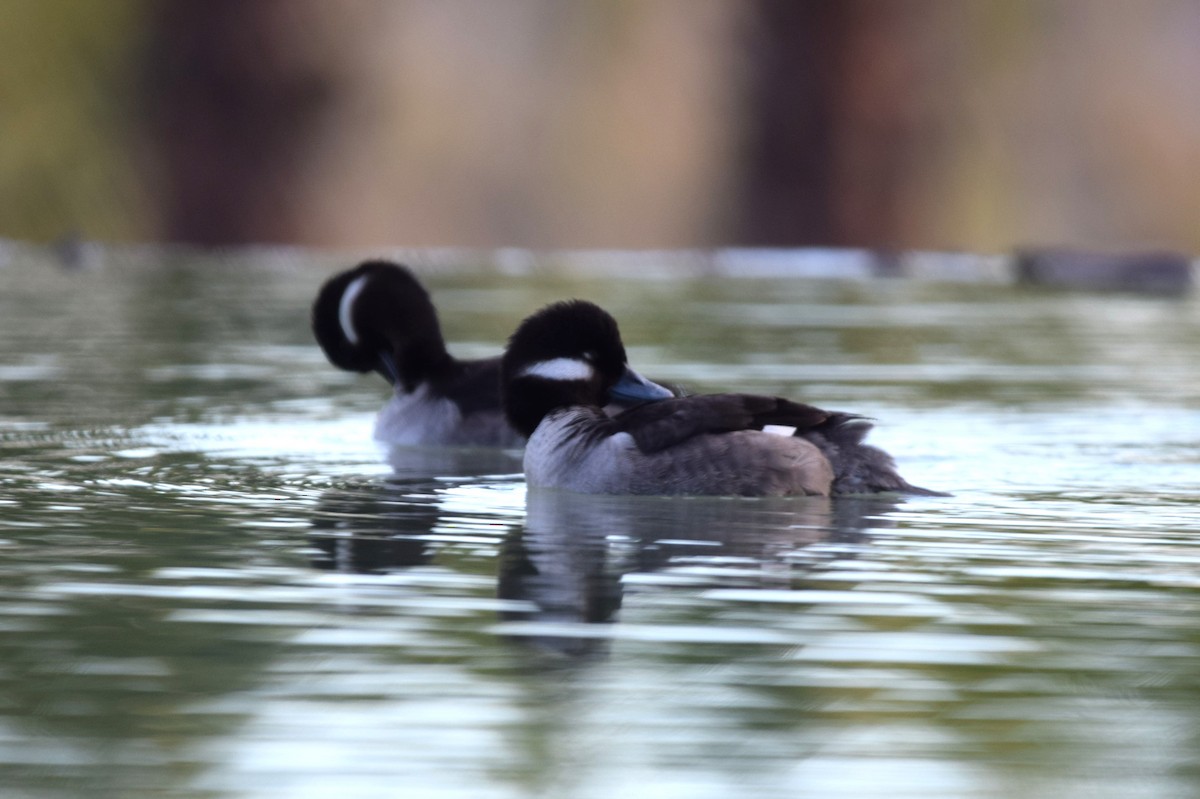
<point>213,584</point>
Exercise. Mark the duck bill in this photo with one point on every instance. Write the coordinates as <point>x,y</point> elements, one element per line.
<point>388,368</point>
<point>633,388</point>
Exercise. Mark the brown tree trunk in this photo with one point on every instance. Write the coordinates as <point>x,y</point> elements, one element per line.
<point>235,106</point>
<point>829,123</point>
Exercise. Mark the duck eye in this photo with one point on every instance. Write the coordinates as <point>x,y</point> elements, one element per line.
<point>590,356</point>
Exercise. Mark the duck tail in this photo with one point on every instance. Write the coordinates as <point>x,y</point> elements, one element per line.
<point>859,468</point>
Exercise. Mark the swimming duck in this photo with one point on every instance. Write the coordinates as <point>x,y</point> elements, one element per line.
<point>378,317</point>
<point>567,360</point>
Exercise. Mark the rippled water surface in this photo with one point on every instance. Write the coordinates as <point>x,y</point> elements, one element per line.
<point>214,584</point>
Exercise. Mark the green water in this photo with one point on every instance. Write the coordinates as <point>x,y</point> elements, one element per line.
<point>214,584</point>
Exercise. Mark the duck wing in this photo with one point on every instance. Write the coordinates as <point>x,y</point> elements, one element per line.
<point>657,426</point>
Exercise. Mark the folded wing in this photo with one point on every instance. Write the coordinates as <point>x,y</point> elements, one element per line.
<point>661,425</point>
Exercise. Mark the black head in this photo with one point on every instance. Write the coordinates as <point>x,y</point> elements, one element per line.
<point>378,317</point>
<point>569,353</point>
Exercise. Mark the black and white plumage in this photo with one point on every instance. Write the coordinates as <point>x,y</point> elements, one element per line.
<point>378,317</point>
<point>567,360</point>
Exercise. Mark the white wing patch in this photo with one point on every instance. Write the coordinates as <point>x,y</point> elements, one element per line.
<point>779,429</point>
<point>346,308</point>
<point>560,369</point>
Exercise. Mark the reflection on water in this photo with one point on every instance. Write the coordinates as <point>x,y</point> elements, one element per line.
<point>564,566</point>
<point>213,584</point>
<point>569,559</point>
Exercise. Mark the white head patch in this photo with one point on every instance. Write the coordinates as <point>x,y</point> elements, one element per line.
<point>346,308</point>
<point>560,369</point>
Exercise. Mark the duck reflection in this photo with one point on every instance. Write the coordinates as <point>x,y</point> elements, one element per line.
<point>567,566</point>
<point>568,562</point>
<point>375,528</point>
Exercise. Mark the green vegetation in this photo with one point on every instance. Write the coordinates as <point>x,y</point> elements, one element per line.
<point>68,156</point>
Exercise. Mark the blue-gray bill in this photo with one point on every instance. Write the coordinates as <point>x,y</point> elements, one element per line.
<point>633,388</point>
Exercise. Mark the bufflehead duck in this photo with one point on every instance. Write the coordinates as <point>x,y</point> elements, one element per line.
<point>378,317</point>
<point>567,360</point>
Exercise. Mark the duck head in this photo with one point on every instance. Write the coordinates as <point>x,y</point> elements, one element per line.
<point>568,354</point>
<point>378,317</point>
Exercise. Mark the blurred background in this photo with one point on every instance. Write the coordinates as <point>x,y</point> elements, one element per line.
<point>942,124</point>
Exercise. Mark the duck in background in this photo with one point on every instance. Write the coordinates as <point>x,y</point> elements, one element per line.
<point>377,317</point>
<point>565,362</point>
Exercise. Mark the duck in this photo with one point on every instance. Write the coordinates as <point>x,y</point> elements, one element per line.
<point>377,317</point>
<point>566,361</point>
